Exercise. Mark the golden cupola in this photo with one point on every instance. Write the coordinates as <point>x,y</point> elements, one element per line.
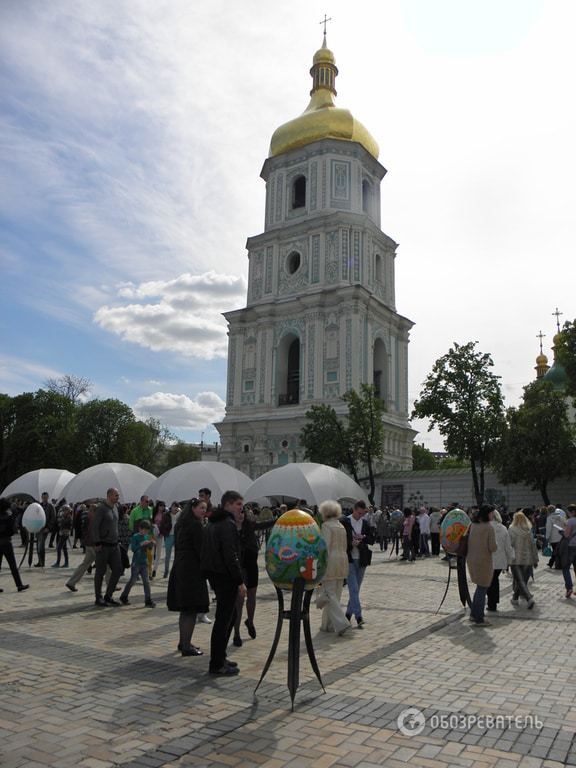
<point>322,119</point>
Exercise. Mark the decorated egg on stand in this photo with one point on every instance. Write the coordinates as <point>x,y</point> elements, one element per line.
<point>396,520</point>
<point>296,549</point>
<point>453,527</point>
<point>34,517</point>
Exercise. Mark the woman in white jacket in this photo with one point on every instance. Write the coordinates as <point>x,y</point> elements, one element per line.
<point>501,559</point>
<point>330,591</point>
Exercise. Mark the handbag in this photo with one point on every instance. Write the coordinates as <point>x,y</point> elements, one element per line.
<point>322,598</point>
<point>547,551</point>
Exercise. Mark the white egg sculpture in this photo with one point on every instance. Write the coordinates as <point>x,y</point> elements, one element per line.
<point>34,517</point>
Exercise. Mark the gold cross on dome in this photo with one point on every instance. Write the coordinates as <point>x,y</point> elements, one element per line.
<point>325,21</point>
<point>540,336</point>
<point>557,315</point>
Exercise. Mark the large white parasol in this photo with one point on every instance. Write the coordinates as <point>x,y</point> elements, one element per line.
<point>37,481</point>
<point>92,483</point>
<point>313,482</point>
<point>183,482</point>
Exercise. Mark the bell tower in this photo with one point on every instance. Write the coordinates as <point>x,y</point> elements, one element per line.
<point>320,317</point>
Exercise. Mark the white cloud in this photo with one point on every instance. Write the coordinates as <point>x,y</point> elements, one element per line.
<point>18,374</point>
<point>186,318</point>
<point>181,411</point>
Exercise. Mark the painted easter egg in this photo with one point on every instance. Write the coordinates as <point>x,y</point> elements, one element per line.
<point>396,520</point>
<point>296,549</point>
<point>454,526</point>
<point>34,517</point>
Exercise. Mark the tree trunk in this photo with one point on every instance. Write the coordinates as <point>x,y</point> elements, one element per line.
<point>482,484</point>
<point>371,479</point>
<point>544,492</point>
<point>475,482</point>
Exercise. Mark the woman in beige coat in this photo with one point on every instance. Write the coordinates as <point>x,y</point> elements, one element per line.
<point>525,557</point>
<point>481,545</point>
<point>330,591</point>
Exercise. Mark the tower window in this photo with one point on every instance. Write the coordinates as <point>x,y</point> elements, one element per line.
<point>366,197</point>
<point>299,192</point>
<point>378,268</point>
<point>293,262</point>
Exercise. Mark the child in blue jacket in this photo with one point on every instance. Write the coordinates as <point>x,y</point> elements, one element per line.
<point>140,543</point>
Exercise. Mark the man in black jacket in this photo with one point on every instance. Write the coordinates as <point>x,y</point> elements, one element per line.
<point>42,535</point>
<point>359,534</point>
<point>221,566</point>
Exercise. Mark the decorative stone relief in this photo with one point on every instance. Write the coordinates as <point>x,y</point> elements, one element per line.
<point>292,283</point>
<point>324,173</point>
<point>332,256</point>
<point>257,275</point>
<point>313,184</point>
<point>348,353</point>
<point>231,371</point>
<point>269,269</point>
<point>263,348</point>
<point>356,256</point>
<point>345,254</point>
<point>315,277</point>
<point>292,324</point>
<point>311,360</point>
<point>279,190</point>
<point>340,181</point>
<point>331,391</point>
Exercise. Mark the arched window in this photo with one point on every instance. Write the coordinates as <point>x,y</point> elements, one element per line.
<point>299,192</point>
<point>288,370</point>
<point>378,275</point>
<point>367,197</point>
<point>380,369</point>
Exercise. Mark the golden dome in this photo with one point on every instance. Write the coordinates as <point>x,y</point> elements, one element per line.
<point>322,119</point>
<point>542,360</point>
<point>557,339</point>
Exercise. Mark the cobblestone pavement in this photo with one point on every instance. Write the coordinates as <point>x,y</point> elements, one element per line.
<point>97,688</point>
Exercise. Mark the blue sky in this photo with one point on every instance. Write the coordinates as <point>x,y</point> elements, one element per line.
<point>132,134</point>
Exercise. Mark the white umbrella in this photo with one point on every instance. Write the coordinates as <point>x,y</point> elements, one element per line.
<point>92,483</point>
<point>313,482</point>
<point>37,481</point>
<point>183,482</point>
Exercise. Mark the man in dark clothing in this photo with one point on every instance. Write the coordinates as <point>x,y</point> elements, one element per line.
<point>221,566</point>
<point>41,536</point>
<point>105,537</point>
<point>7,530</point>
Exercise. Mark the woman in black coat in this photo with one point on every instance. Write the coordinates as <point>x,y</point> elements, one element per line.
<point>187,590</point>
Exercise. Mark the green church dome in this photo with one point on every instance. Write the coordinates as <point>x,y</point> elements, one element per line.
<point>557,376</point>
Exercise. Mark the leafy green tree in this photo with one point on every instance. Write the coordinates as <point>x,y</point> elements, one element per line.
<point>37,429</point>
<point>538,442</point>
<point>145,443</point>
<point>176,454</point>
<point>325,439</point>
<point>463,398</point>
<point>566,352</point>
<point>451,463</point>
<point>365,431</point>
<point>422,458</point>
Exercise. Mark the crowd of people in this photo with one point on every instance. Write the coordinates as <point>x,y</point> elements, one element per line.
<point>216,550</point>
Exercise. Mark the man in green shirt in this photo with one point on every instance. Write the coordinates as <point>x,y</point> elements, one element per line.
<point>141,511</point>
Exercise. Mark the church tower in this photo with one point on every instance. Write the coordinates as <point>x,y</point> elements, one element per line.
<point>320,316</point>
